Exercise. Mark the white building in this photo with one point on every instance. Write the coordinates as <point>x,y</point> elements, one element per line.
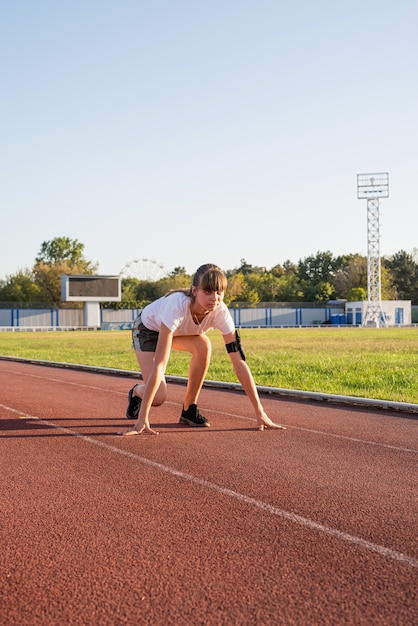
<point>396,312</point>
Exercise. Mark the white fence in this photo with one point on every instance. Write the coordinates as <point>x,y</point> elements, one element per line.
<point>21,319</point>
<point>271,317</point>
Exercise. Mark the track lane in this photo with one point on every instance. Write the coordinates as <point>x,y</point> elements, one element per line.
<point>215,547</point>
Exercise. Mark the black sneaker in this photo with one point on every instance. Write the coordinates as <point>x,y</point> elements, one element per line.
<point>192,417</point>
<point>134,405</point>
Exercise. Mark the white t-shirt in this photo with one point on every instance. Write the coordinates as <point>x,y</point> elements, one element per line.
<point>174,312</point>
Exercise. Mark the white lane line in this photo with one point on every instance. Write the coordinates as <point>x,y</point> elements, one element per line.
<point>323,432</point>
<point>353,439</point>
<point>249,419</point>
<point>273,510</point>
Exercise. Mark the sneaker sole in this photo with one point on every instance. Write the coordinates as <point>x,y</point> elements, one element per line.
<point>187,422</point>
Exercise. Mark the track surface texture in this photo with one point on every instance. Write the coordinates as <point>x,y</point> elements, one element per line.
<point>316,524</point>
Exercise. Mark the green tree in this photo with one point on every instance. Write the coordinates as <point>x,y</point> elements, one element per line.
<point>318,268</point>
<point>289,288</point>
<point>178,271</point>
<point>236,288</point>
<point>65,250</point>
<point>315,274</point>
<point>278,271</point>
<point>319,292</point>
<point>350,273</point>
<point>61,255</point>
<point>264,284</point>
<point>20,287</point>
<point>129,289</point>
<point>252,297</point>
<point>404,274</point>
<point>179,280</point>
<point>245,268</point>
<point>42,284</point>
<point>289,268</point>
<point>388,289</point>
<point>356,294</point>
<point>147,291</point>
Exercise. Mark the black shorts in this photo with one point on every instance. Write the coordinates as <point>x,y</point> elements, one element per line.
<point>143,339</point>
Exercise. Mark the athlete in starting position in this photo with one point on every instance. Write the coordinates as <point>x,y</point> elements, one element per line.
<point>180,321</point>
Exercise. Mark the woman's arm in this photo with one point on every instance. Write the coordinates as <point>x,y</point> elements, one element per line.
<point>162,354</point>
<point>246,379</point>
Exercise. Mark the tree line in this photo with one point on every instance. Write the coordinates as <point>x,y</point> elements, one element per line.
<point>317,278</point>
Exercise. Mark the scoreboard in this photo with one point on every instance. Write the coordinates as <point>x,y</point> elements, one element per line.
<point>90,288</point>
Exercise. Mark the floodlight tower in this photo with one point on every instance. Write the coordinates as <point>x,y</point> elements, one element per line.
<point>372,187</point>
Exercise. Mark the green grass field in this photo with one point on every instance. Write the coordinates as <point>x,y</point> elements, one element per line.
<point>369,363</point>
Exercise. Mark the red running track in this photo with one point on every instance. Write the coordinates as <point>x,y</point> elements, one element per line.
<point>228,525</point>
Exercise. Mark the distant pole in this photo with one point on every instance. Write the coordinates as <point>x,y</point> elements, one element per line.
<point>372,187</point>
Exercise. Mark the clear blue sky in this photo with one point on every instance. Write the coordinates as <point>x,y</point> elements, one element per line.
<point>193,131</point>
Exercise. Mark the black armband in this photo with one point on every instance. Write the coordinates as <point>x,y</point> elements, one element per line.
<point>235,346</point>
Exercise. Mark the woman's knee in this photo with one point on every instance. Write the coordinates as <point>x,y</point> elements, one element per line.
<point>161,395</point>
<point>203,348</point>
<point>199,346</point>
<point>203,345</point>
<point>159,399</point>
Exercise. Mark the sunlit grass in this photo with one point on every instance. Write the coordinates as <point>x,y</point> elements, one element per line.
<point>370,363</point>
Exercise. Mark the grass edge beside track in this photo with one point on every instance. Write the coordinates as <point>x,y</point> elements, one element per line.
<point>273,391</point>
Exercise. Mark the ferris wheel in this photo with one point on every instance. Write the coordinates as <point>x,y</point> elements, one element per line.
<point>144,269</point>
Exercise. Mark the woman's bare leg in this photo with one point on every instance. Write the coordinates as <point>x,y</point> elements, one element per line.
<point>145,361</point>
<point>200,348</point>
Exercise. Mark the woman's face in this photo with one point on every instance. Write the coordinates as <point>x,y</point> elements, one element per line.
<point>208,300</point>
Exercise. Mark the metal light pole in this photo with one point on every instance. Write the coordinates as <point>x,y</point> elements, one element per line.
<point>372,187</point>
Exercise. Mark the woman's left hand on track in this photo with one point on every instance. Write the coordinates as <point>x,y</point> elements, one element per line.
<point>265,422</point>
<point>145,430</point>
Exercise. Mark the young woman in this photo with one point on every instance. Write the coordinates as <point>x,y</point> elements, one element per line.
<point>180,321</point>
